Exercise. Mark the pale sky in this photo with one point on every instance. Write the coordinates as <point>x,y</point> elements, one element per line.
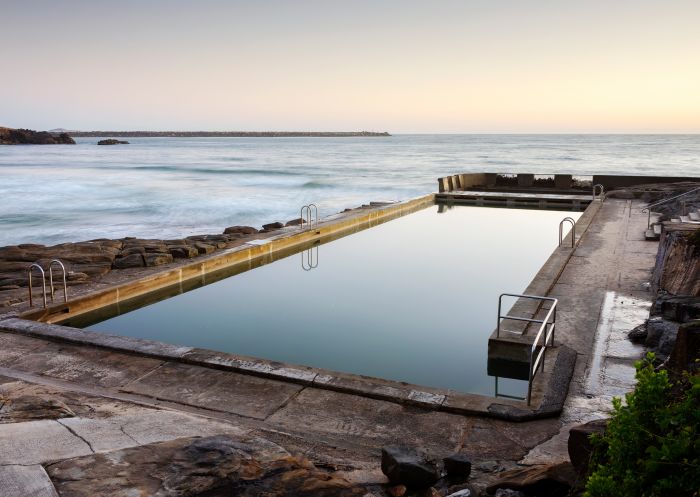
<point>400,66</point>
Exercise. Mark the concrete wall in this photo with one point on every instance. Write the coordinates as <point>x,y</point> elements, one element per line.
<point>620,181</point>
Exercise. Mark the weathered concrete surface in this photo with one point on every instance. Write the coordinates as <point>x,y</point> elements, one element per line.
<point>25,481</point>
<point>603,293</point>
<point>219,390</point>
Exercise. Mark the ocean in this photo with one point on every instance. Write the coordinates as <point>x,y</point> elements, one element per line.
<point>176,187</point>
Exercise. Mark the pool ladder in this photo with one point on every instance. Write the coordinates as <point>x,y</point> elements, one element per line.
<point>573,230</point>
<point>37,267</point>
<point>305,213</point>
<point>545,333</point>
<point>600,195</point>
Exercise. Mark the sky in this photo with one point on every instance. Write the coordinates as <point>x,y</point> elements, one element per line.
<point>492,66</point>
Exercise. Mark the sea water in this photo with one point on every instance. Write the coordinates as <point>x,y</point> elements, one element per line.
<point>175,187</point>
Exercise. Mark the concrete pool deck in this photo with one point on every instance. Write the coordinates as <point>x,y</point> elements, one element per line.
<point>122,399</point>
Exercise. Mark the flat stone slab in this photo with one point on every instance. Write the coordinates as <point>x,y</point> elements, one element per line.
<point>211,466</point>
<point>13,347</point>
<point>226,391</point>
<point>146,427</point>
<point>37,442</point>
<point>26,481</point>
<point>351,419</point>
<point>91,366</point>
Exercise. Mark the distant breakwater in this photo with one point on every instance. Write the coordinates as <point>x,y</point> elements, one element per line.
<point>238,134</point>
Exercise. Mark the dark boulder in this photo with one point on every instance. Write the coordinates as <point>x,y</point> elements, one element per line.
<point>272,226</point>
<point>553,480</point>
<point>579,444</point>
<point>410,466</point>
<point>295,222</point>
<point>183,251</point>
<point>112,141</point>
<point>240,230</point>
<point>457,466</point>
<point>133,260</point>
<point>157,259</point>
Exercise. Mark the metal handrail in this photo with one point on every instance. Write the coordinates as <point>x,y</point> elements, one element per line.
<point>309,218</point>
<point>65,286</point>
<point>649,207</point>
<point>573,230</point>
<point>602,191</point>
<point>311,262</point>
<point>43,281</point>
<point>546,326</point>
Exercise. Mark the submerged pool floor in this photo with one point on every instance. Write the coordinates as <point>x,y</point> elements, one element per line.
<point>411,300</point>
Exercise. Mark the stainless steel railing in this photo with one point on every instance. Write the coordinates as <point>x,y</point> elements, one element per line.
<point>544,334</point>
<point>601,195</point>
<point>311,220</point>
<point>659,202</point>
<point>573,230</point>
<point>56,262</point>
<point>43,282</point>
<point>52,289</point>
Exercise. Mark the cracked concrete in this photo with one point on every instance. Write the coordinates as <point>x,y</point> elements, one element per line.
<point>127,400</point>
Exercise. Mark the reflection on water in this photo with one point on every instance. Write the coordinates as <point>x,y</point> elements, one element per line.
<point>414,299</point>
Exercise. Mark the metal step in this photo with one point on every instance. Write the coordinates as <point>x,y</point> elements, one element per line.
<point>694,216</point>
<point>675,220</point>
<point>657,229</point>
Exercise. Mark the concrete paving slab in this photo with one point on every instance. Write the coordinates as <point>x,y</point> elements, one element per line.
<point>87,365</point>
<point>226,391</point>
<point>144,427</point>
<point>37,442</point>
<point>349,420</point>
<point>12,347</point>
<point>26,481</point>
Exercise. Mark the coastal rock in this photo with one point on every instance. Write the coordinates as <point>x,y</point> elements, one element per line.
<point>410,466</point>
<point>112,141</point>
<point>133,260</point>
<point>240,230</point>
<point>638,334</point>
<point>204,248</point>
<point>579,443</point>
<point>183,251</point>
<point>30,407</point>
<point>457,466</point>
<point>11,136</point>
<point>661,335</point>
<point>157,259</point>
<point>295,222</point>
<point>272,226</point>
<point>209,466</point>
<point>553,480</point>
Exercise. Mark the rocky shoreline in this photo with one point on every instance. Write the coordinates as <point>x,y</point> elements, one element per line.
<point>228,134</point>
<point>12,136</point>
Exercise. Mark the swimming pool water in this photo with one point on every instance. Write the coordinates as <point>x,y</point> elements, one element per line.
<point>413,299</point>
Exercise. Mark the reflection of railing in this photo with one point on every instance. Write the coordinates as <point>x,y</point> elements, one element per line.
<point>311,220</point>
<point>309,258</point>
<point>573,231</point>
<point>546,330</point>
<point>504,395</point>
<point>601,195</point>
<point>649,207</point>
